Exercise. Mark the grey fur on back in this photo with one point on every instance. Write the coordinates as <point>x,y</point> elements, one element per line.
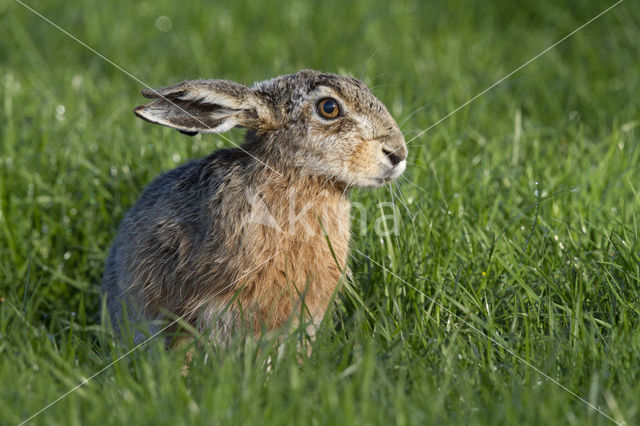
<point>181,201</point>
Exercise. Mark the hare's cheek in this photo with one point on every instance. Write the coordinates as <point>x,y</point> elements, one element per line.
<point>363,160</point>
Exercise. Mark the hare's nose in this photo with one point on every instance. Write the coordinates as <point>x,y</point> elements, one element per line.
<point>393,156</point>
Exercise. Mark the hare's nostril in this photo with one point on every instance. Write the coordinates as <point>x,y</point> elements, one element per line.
<point>395,159</point>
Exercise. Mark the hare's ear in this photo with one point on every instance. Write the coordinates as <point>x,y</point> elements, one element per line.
<point>208,106</point>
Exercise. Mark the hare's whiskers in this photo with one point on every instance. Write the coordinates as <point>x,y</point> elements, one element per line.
<point>366,64</point>
<point>402,202</point>
<point>414,113</point>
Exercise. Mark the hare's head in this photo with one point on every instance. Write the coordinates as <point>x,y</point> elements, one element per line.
<point>322,124</point>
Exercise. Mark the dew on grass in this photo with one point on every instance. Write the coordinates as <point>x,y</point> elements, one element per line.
<point>225,22</point>
<point>76,81</point>
<point>193,406</point>
<point>163,23</point>
<point>127,395</point>
<point>60,110</point>
<point>9,81</point>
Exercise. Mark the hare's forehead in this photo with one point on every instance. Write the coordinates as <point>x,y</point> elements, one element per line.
<point>294,91</point>
<point>358,99</point>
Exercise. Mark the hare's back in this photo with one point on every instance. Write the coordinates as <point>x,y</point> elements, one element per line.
<point>166,228</point>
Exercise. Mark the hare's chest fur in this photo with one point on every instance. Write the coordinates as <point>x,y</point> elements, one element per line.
<point>292,246</point>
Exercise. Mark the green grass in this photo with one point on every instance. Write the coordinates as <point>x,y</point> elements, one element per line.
<point>520,213</point>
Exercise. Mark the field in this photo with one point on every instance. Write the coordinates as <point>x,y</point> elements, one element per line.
<point>510,293</point>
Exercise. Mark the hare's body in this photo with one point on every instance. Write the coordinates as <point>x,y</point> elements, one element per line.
<point>256,234</point>
<point>228,228</point>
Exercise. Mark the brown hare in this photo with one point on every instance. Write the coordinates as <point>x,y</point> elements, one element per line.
<point>257,234</point>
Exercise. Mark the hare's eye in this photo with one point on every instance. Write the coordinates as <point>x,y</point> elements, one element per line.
<point>328,108</point>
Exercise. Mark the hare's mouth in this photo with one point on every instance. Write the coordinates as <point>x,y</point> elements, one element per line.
<point>394,171</point>
<point>390,174</point>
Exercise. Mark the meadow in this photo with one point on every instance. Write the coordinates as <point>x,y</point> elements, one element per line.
<point>510,293</point>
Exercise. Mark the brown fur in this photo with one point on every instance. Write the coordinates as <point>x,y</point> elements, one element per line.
<point>257,234</point>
